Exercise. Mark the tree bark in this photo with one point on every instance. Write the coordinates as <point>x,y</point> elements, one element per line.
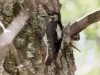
<point>29,44</point>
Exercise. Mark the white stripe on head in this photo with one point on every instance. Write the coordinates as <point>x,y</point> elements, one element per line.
<point>55,18</point>
<point>49,19</point>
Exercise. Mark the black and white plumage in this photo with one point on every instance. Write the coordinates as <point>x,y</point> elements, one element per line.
<point>53,37</point>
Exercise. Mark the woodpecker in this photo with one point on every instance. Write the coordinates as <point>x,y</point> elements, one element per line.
<point>53,36</point>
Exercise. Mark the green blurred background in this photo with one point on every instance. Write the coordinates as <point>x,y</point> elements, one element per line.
<point>88,60</point>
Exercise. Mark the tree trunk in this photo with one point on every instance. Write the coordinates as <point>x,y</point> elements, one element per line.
<point>29,43</point>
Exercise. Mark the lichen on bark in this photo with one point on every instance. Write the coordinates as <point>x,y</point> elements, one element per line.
<point>29,42</point>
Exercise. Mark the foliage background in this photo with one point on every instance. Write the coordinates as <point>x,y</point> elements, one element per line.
<point>88,60</point>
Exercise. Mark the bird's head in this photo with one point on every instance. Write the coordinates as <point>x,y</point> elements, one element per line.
<point>54,16</point>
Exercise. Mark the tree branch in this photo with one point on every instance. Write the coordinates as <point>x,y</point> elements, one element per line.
<point>13,29</point>
<point>84,22</point>
<point>10,32</point>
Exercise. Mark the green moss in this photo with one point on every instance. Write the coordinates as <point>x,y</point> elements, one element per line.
<point>10,64</point>
<point>8,9</point>
<point>16,9</point>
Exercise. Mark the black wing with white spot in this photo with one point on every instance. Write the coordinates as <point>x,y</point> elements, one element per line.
<point>53,36</point>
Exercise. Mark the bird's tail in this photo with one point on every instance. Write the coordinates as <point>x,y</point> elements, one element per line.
<point>49,56</point>
<point>48,60</point>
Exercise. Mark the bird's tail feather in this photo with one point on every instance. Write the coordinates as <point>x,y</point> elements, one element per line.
<point>48,60</point>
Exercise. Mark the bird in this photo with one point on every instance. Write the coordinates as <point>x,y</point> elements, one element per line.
<point>53,36</point>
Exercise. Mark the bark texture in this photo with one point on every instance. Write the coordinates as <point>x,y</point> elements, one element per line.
<point>28,42</point>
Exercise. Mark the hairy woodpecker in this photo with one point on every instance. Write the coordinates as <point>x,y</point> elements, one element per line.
<point>53,36</point>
